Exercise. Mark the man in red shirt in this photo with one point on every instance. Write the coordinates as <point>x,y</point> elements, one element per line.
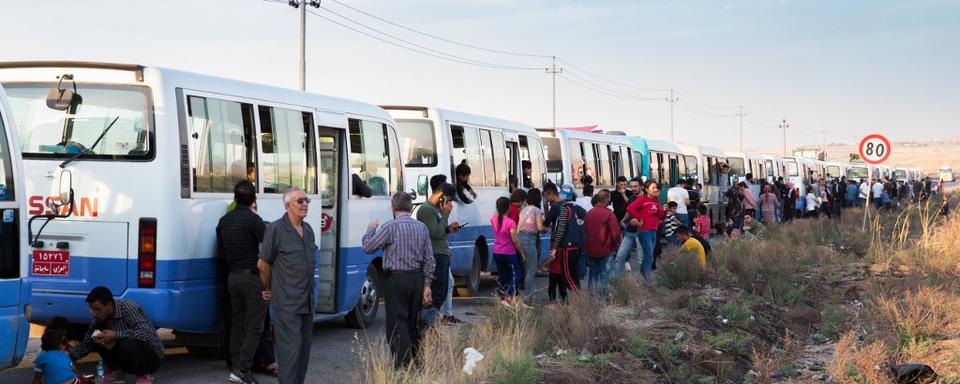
<point>603,239</point>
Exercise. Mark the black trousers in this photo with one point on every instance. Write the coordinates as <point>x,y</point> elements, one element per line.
<point>248,309</point>
<point>130,356</point>
<point>403,297</point>
<point>441,277</point>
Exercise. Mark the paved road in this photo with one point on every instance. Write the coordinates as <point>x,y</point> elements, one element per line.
<point>333,359</point>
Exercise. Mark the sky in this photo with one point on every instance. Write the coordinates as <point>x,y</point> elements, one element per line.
<point>835,70</point>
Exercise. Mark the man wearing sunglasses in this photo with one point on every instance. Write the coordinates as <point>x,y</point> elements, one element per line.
<point>287,264</point>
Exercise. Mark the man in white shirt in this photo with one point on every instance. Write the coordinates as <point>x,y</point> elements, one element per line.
<point>878,194</point>
<point>680,195</point>
<point>864,193</point>
<point>586,201</point>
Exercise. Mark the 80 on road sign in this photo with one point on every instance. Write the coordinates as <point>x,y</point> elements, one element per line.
<point>874,149</point>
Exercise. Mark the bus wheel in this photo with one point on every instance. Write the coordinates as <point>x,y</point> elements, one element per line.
<point>472,283</point>
<point>366,309</point>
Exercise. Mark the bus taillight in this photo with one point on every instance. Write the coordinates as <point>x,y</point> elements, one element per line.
<point>147,253</point>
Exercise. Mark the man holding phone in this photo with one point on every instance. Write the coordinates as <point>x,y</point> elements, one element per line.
<point>435,213</point>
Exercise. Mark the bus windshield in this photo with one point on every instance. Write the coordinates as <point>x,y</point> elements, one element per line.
<point>417,136</point>
<point>900,174</point>
<point>736,167</point>
<point>49,133</point>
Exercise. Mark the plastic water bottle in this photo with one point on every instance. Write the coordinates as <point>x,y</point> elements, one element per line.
<point>100,373</point>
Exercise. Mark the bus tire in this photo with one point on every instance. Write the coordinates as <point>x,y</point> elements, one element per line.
<point>472,281</point>
<point>366,309</point>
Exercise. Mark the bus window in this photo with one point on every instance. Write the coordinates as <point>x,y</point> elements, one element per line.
<point>49,133</point>
<point>708,176</point>
<point>604,171</point>
<point>489,174</point>
<point>396,172</point>
<point>554,157</point>
<point>536,163</point>
<point>418,137</point>
<point>589,161</point>
<point>466,148</point>
<point>736,168</point>
<point>655,170</point>
<point>223,149</point>
<point>370,156</point>
<point>675,170</point>
<point>692,169</point>
<point>289,155</point>
<point>617,162</point>
<point>6,170</point>
<point>628,168</point>
<point>499,160</point>
<point>577,163</point>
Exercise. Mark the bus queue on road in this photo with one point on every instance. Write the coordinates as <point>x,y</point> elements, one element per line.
<point>151,156</point>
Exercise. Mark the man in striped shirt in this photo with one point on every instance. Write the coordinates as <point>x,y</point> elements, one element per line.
<point>408,263</point>
<point>123,337</point>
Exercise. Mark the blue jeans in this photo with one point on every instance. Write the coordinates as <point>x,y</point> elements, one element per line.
<point>648,241</point>
<point>597,268</point>
<point>529,243</point>
<point>627,244</point>
<point>684,219</point>
<point>448,303</point>
<point>508,273</point>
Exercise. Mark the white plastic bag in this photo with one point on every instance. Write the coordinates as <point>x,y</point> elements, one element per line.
<point>473,357</point>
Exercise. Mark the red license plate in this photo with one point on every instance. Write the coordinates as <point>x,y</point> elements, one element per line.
<point>51,263</point>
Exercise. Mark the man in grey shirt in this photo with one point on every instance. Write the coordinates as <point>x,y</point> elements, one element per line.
<point>287,264</point>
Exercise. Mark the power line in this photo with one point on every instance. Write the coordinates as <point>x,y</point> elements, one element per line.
<point>439,55</point>
<point>698,111</point>
<point>690,99</point>
<point>574,74</point>
<point>355,9</point>
<point>600,91</point>
<point>612,81</point>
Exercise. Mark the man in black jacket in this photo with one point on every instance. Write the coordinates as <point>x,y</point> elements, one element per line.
<point>239,234</point>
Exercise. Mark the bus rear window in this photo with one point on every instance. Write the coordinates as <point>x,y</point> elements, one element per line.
<point>49,133</point>
<point>418,138</point>
<point>792,168</point>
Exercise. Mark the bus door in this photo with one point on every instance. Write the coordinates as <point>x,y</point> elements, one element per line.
<point>330,149</point>
<point>512,145</point>
<point>14,290</point>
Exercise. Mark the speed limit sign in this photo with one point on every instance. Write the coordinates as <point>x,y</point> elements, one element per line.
<point>874,149</point>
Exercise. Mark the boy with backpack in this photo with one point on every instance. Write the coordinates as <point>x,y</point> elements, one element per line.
<point>565,220</point>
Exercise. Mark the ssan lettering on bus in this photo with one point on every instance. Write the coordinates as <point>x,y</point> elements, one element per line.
<point>84,206</point>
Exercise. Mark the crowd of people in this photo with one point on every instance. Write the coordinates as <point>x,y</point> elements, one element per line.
<point>594,236</point>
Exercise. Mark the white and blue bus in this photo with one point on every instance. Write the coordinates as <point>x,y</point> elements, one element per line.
<point>14,287</point>
<point>436,141</point>
<point>154,155</point>
<point>572,155</point>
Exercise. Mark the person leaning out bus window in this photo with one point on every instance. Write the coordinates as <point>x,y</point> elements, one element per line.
<point>463,183</point>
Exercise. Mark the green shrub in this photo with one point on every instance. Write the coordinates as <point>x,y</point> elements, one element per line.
<point>522,370</point>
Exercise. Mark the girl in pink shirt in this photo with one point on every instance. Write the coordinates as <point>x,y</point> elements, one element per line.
<point>507,252</point>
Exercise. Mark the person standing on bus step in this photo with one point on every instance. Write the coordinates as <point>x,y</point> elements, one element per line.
<point>287,264</point>
<point>681,196</point>
<point>408,264</point>
<point>462,183</point>
<point>434,213</point>
<point>123,337</point>
<point>239,234</point>
<point>565,220</point>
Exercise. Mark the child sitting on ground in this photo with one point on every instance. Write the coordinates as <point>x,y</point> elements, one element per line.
<point>693,246</point>
<point>53,365</point>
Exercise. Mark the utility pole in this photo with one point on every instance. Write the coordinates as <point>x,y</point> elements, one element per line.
<point>784,127</point>
<point>554,71</point>
<point>740,115</point>
<point>671,100</point>
<point>303,37</point>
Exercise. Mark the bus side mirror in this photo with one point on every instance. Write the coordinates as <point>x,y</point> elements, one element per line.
<point>65,191</point>
<point>61,98</point>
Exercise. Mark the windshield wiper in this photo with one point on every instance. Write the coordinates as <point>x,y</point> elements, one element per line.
<point>87,150</point>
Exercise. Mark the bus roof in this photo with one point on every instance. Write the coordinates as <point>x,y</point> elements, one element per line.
<point>152,75</point>
<point>580,135</point>
<point>461,117</point>
<point>663,146</point>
